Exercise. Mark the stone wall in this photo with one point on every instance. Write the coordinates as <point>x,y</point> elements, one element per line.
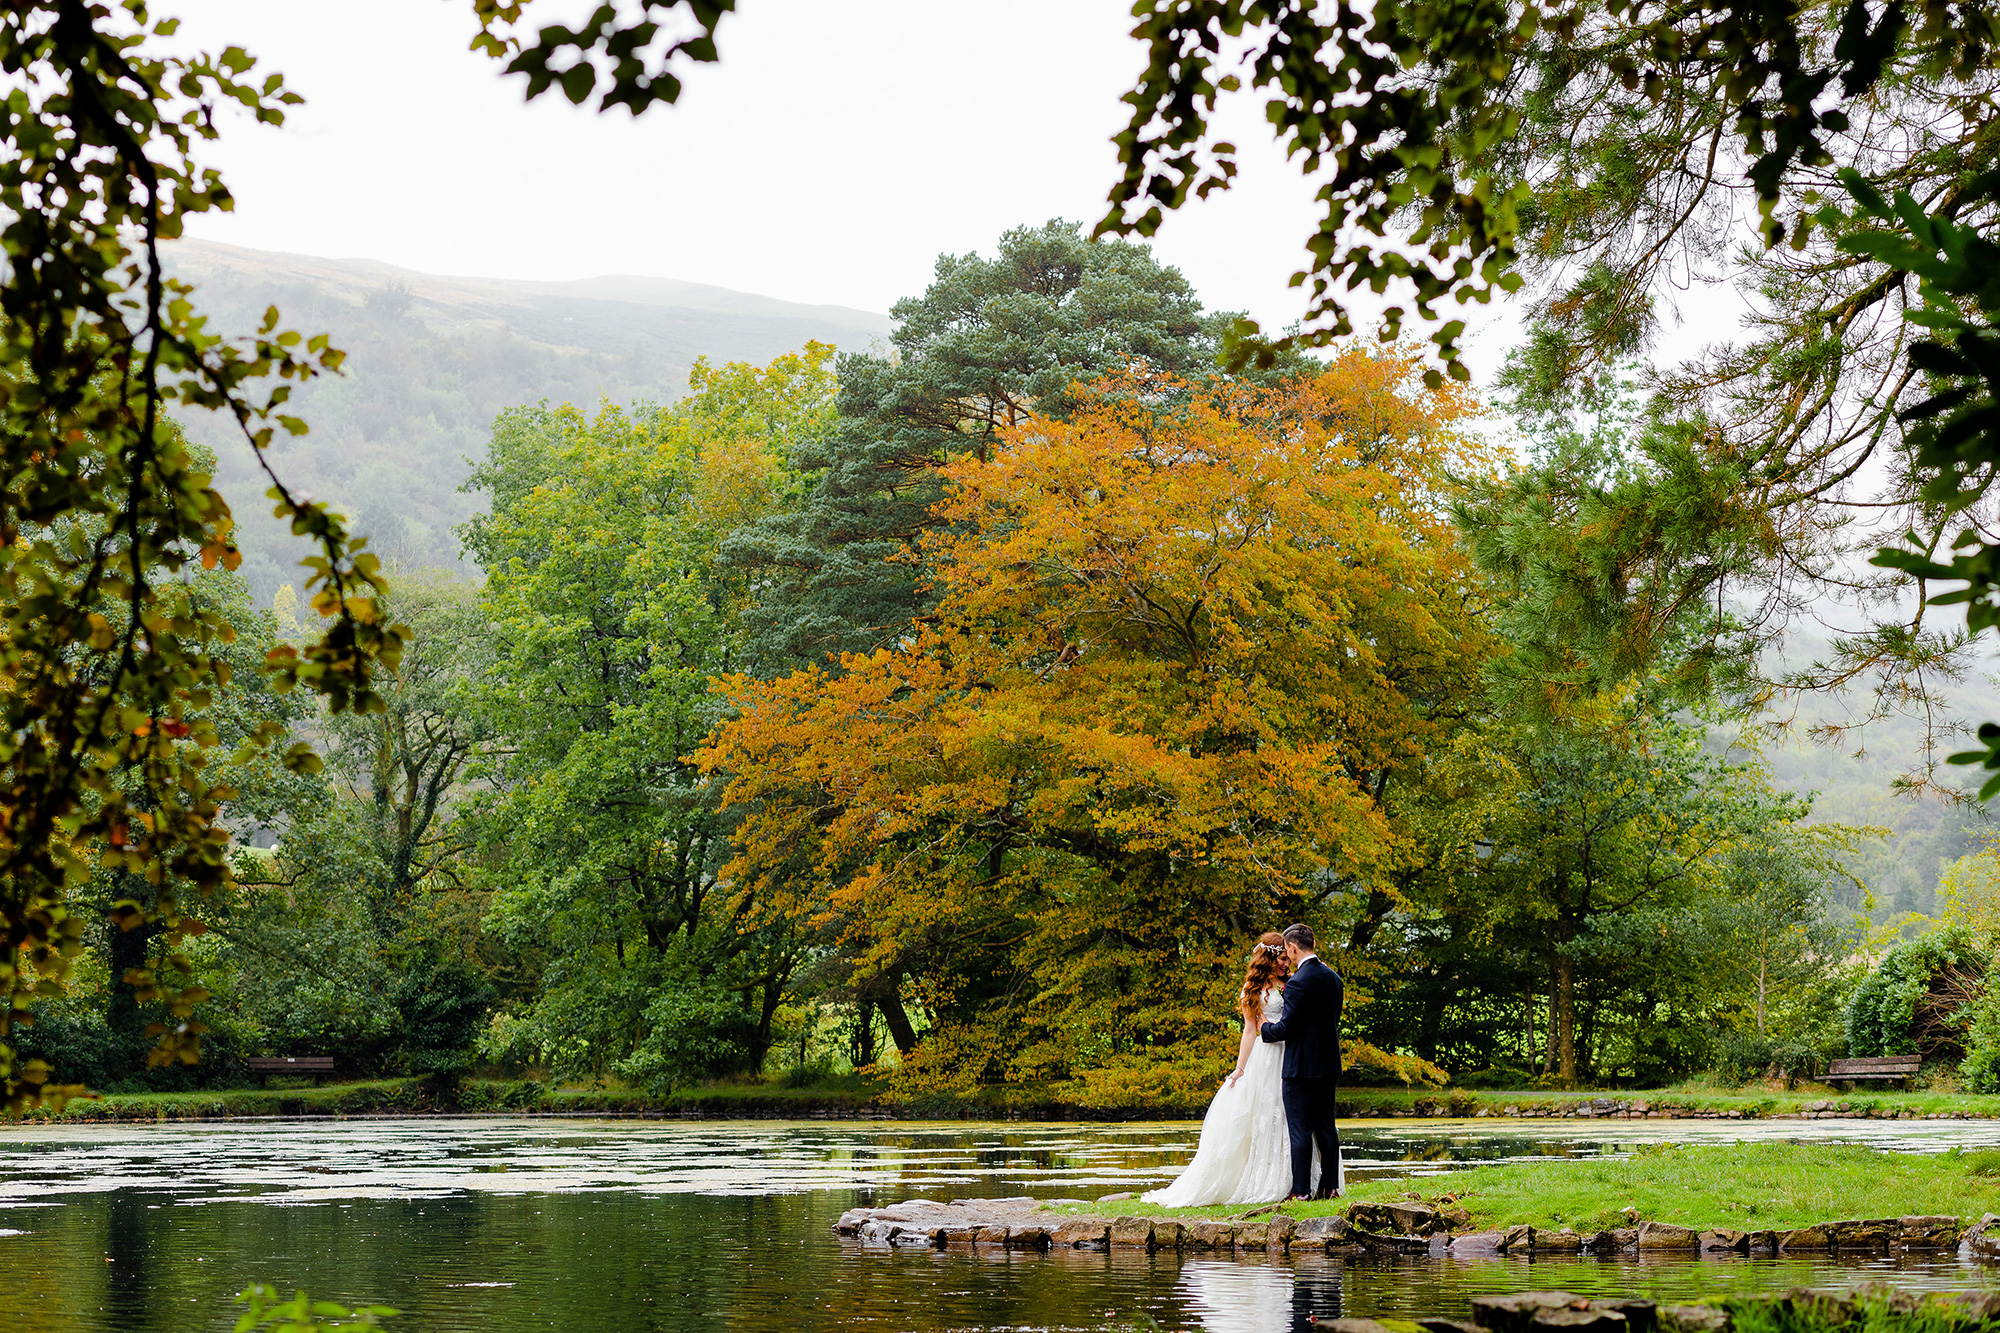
<point>1388,1228</point>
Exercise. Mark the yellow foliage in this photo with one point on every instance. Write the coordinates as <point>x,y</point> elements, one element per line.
<point>1969,893</point>
<point>1410,1070</point>
<point>1184,644</point>
<point>745,424</point>
<point>289,610</point>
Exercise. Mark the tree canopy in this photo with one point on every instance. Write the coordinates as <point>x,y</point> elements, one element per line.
<point>1596,155</point>
<point>1183,646</point>
<point>990,343</point>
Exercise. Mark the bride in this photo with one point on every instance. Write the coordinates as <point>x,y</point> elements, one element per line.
<point>1245,1154</point>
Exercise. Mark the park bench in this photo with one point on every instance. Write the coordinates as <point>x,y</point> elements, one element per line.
<point>290,1064</point>
<point>1880,1067</point>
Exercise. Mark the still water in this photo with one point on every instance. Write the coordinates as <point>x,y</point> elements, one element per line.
<point>507,1225</point>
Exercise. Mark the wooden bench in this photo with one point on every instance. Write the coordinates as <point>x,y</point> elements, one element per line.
<point>1883,1068</point>
<point>290,1064</point>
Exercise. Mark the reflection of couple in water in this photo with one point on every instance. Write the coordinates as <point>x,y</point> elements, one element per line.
<point>1235,1296</point>
<point>1269,1133</point>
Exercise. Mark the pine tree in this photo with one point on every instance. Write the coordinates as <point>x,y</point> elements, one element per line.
<point>990,341</point>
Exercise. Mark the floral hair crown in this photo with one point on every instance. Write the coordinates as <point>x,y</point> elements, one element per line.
<point>1273,950</point>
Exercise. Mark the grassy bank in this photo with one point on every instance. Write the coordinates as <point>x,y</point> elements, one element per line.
<point>1745,1187</point>
<point>406,1096</point>
<point>854,1096</point>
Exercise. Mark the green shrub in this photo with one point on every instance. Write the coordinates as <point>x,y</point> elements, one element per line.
<point>694,1030</point>
<point>440,1002</point>
<point>1881,1018</point>
<point>1500,1076</point>
<point>1981,1070</point>
<point>1742,1056</point>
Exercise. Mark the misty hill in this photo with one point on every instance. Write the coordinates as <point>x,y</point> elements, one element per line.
<point>432,360</point>
<point>1853,782</point>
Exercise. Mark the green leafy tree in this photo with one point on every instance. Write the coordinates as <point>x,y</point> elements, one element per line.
<point>1606,849</point>
<point>1613,543</point>
<point>356,935</point>
<point>611,615</point>
<point>400,769</point>
<point>1767,929</point>
<point>1668,883</point>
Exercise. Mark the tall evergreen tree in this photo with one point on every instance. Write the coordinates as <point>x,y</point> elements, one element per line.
<point>990,341</point>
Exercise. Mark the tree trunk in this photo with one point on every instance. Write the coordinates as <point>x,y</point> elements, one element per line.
<point>774,994</point>
<point>1370,921</point>
<point>1435,997</point>
<point>1550,1050</point>
<point>1763,984</point>
<point>900,1030</point>
<point>1586,1033</point>
<point>862,1050</point>
<point>1565,1034</point>
<point>129,949</point>
<point>884,993</point>
<point>1528,1039</point>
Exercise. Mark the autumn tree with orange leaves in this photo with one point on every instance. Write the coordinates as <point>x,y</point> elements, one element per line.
<point>1184,651</point>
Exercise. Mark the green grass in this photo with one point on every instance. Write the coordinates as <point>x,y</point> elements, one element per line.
<point>325,1099</point>
<point>1749,1102</point>
<point>1745,1186</point>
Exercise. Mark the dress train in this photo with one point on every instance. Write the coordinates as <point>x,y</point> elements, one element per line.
<point>1245,1154</point>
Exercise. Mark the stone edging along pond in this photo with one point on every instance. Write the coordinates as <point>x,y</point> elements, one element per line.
<point>1392,1228</point>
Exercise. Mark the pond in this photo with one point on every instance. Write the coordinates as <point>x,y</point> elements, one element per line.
<point>504,1225</point>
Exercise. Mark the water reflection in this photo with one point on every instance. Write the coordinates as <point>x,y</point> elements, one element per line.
<point>1250,1297</point>
<point>505,1227</point>
<point>1287,1294</point>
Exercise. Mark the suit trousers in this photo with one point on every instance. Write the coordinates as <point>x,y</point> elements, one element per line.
<point>1309,1108</point>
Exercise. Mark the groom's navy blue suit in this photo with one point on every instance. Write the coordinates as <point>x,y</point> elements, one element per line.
<point>1310,1029</point>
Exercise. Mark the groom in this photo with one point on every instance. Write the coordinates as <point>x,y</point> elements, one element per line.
<point>1310,1029</point>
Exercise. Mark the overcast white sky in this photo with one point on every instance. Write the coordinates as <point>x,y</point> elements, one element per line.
<point>831,156</point>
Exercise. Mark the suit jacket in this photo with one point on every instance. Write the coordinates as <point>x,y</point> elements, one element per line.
<point>1310,1024</point>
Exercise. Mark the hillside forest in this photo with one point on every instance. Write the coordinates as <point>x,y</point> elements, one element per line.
<point>958,707</point>
<point>432,360</point>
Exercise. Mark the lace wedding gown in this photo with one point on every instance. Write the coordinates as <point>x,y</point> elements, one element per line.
<point>1246,1152</point>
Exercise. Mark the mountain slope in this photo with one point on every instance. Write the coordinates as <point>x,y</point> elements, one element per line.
<point>432,360</point>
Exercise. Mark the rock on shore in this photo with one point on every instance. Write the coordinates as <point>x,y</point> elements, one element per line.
<point>1024,1223</point>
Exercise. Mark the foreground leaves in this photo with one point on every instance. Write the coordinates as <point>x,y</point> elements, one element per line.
<point>108,660</point>
<point>302,1314</point>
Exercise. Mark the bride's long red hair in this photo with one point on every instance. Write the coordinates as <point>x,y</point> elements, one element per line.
<point>1268,968</point>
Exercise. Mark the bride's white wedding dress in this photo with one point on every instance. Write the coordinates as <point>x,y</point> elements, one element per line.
<point>1246,1152</point>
